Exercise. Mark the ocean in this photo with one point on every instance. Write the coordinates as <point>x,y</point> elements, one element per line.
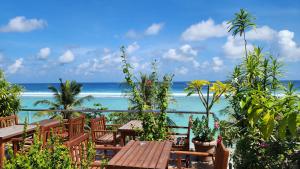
<point>112,96</point>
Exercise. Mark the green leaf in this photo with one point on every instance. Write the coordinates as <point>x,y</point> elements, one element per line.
<point>266,118</point>
<point>242,104</point>
<point>292,123</point>
<point>282,128</point>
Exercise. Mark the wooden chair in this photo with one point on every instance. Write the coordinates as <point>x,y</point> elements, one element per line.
<point>8,121</point>
<point>220,157</point>
<point>78,149</point>
<point>100,134</point>
<point>75,127</point>
<point>181,140</point>
<point>56,130</point>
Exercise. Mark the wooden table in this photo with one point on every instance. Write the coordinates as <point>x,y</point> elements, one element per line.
<point>47,122</point>
<point>7,133</point>
<point>142,154</point>
<point>130,129</point>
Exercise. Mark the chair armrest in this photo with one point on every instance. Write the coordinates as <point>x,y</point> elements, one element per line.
<point>201,154</point>
<point>101,147</point>
<point>178,127</point>
<point>105,131</point>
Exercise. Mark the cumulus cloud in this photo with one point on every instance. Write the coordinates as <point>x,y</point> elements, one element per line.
<point>234,47</point>
<point>187,49</point>
<point>262,33</point>
<point>90,67</point>
<point>173,54</point>
<point>204,30</point>
<point>133,47</point>
<point>185,53</point>
<point>22,24</point>
<point>288,47</point>
<point>16,66</point>
<point>66,57</point>
<point>154,29</point>
<point>284,41</point>
<point>182,70</point>
<point>217,64</point>
<point>132,34</point>
<point>44,53</point>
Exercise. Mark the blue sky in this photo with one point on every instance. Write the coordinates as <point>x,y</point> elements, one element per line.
<point>41,41</point>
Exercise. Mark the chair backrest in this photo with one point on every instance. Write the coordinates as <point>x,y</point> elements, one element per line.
<point>78,148</point>
<point>8,121</point>
<point>97,125</point>
<point>222,156</point>
<point>182,141</point>
<point>56,130</point>
<point>220,160</point>
<point>76,126</point>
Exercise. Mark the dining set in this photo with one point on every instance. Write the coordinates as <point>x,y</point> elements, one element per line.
<point>126,150</point>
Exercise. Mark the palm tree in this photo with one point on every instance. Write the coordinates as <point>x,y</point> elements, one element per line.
<point>239,25</point>
<point>65,98</point>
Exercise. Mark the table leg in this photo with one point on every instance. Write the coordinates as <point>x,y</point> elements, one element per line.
<point>123,139</point>
<point>2,154</point>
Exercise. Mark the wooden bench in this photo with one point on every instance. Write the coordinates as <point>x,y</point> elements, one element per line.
<point>220,157</point>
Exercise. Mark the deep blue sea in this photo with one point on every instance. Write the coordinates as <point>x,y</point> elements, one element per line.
<point>112,96</point>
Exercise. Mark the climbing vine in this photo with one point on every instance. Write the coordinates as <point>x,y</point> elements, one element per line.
<point>148,94</point>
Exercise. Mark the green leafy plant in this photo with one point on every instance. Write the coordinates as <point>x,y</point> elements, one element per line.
<point>9,97</point>
<point>201,128</point>
<point>65,98</point>
<point>148,94</point>
<point>202,132</point>
<point>263,126</point>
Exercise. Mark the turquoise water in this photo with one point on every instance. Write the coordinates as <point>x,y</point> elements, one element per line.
<point>181,103</point>
<point>111,95</point>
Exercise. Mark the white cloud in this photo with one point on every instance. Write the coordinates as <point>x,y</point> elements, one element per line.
<point>217,64</point>
<point>90,67</point>
<point>133,47</point>
<point>132,34</point>
<point>187,49</point>
<point>173,54</point>
<point>182,70</point>
<point>21,24</point>
<point>234,47</point>
<point>44,53</point>
<point>262,33</point>
<point>16,66</point>
<point>67,57</point>
<point>288,47</point>
<point>154,29</point>
<point>204,30</point>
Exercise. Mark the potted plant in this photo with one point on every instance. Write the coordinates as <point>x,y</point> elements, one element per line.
<point>204,134</point>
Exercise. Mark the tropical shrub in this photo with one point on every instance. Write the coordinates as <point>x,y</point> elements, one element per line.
<point>202,132</point>
<point>263,124</point>
<point>149,94</point>
<point>9,97</point>
<point>65,98</point>
<point>201,128</point>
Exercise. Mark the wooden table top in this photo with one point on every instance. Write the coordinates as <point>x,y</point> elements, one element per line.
<point>133,124</point>
<point>142,154</point>
<point>16,130</point>
<point>47,122</point>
